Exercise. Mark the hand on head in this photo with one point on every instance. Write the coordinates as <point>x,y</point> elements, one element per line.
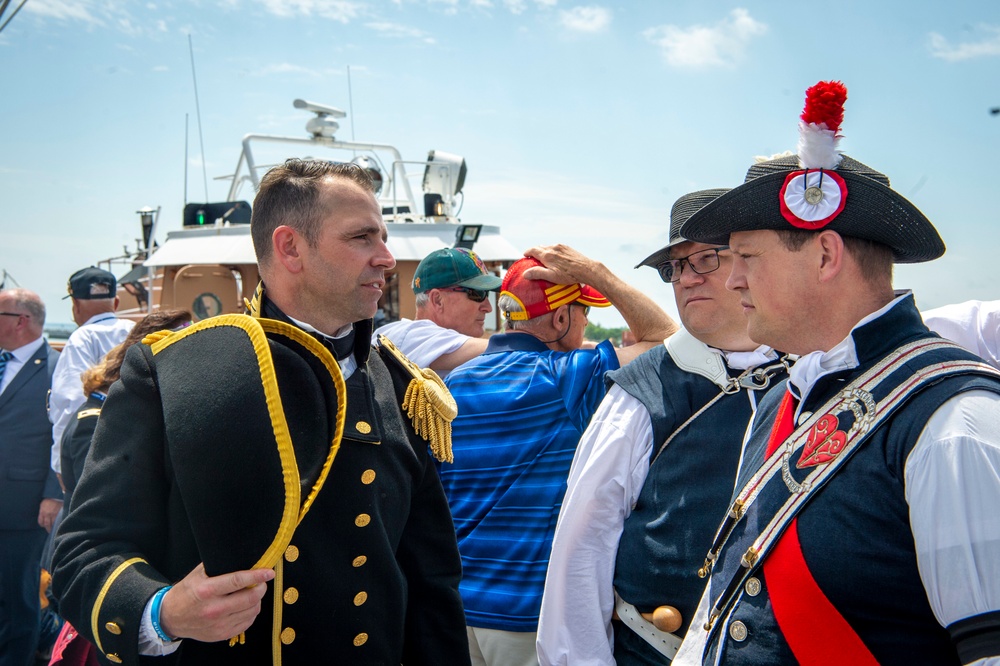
<point>563,265</point>
<point>213,608</point>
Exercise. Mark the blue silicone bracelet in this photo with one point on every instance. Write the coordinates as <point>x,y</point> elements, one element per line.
<point>154,614</point>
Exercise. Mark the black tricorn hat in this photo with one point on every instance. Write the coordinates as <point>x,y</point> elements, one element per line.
<point>253,414</point>
<point>820,188</point>
<point>680,212</point>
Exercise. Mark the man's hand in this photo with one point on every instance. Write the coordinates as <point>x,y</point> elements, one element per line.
<point>47,512</point>
<point>562,265</point>
<point>213,609</point>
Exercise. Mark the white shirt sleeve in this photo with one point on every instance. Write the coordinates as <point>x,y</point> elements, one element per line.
<point>973,324</point>
<point>422,340</point>
<point>67,392</point>
<point>605,479</point>
<point>952,479</point>
<point>150,643</point>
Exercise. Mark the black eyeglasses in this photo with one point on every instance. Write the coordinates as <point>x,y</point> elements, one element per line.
<point>701,262</point>
<point>15,314</point>
<point>586,309</point>
<point>473,294</point>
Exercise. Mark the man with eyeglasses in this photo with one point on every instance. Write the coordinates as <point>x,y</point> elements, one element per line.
<point>452,288</point>
<point>29,491</point>
<point>522,406</point>
<point>654,471</point>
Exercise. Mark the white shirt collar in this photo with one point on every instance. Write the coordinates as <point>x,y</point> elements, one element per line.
<point>100,316</point>
<point>25,352</point>
<point>843,356</point>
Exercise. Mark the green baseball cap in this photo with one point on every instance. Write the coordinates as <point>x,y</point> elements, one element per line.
<point>453,267</point>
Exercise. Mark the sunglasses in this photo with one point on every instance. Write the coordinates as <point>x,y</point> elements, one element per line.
<point>473,294</point>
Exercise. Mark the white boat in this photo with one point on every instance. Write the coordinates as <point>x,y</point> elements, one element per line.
<point>209,266</point>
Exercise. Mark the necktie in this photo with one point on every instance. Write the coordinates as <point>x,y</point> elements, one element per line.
<point>4,357</point>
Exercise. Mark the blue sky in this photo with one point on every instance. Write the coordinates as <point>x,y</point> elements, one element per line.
<point>580,122</point>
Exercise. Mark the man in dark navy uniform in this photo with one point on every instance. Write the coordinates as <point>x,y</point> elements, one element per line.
<point>238,489</point>
<point>864,529</point>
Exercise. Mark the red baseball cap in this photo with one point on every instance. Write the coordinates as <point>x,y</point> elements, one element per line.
<point>538,297</point>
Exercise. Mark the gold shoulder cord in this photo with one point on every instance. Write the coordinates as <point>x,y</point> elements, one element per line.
<point>428,403</point>
<point>288,456</point>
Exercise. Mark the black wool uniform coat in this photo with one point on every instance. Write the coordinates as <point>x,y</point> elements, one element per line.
<point>371,574</point>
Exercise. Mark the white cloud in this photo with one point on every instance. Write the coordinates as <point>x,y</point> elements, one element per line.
<point>546,3</point>
<point>342,11</point>
<point>720,45</point>
<point>585,19</point>
<point>515,6</point>
<point>398,31</point>
<point>989,45</point>
<point>63,10</point>
<point>286,68</point>
<point>105,13</point>
<point>482,4</point>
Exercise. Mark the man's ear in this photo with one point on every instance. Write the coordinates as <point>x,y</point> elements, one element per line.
<point>286,244</point>
<point>435,300</point>
<point>561,316</point>
<point>830,254</point>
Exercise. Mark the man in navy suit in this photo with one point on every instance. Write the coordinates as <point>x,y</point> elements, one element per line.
<point>29,490</point>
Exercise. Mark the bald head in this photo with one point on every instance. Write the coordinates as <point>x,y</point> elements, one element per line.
<point>23,318</point>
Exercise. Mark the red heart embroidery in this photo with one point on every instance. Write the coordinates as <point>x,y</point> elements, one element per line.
<point>825,442</point>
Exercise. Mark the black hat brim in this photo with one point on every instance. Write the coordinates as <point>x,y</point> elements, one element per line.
<point>872,211</point>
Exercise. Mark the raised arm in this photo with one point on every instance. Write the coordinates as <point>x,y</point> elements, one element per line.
<point>647,320</point>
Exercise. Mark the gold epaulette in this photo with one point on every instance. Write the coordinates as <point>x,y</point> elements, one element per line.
<point>156,336</point>
<point>427,402</point>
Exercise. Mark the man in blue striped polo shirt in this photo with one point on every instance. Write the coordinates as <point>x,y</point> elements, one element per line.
<point>522,406</point>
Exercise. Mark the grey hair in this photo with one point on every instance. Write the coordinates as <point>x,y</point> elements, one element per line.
<point>506,304</point>
<point>30,301</point>
<point>420,300</point>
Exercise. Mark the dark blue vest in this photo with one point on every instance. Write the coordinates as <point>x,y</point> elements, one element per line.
<point>855,532</point>
<point>685,495</point>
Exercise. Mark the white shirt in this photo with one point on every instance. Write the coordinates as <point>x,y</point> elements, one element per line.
<point>952,486</point>
<point>423,341</point>
<point>21,355</point>
<point>973,324</point>
<point>86,346</point>
<point>605,479</point>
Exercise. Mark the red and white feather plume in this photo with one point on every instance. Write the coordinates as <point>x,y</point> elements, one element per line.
<point>812,198</point>
<point>819,127</point>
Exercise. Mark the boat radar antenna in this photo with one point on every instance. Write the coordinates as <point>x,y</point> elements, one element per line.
<point>323,125</point>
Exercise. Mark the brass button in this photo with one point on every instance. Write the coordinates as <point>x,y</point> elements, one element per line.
<point>287,636</point>
<point>368,476</point>
<point>291,595</point>
<point>360,639</point>
<point>359,561</point>
<point>363,427</point>
<point>113,628</point>
<point>113,658</point>
<point>738,631</point>
<point>291,554</point>
<point>362,519</point>
<point>753,586</point>
<point>360,598</point>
